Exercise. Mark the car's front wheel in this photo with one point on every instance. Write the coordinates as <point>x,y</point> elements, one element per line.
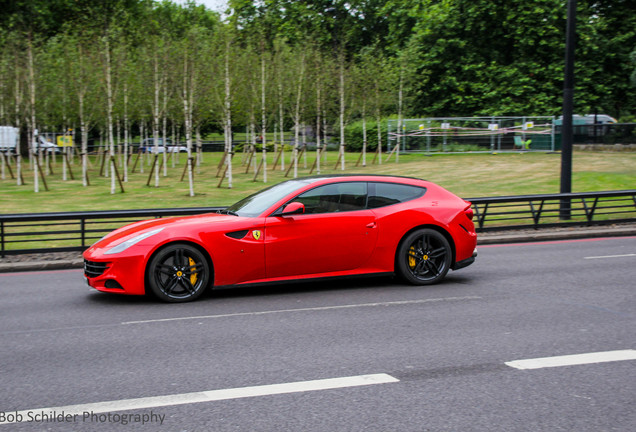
<point>178,273</point>
<point>424,257</point>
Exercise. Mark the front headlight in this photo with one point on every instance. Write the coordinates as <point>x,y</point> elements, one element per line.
<point>128,243</point>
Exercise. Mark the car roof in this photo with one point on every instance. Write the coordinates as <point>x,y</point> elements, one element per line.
<point>362,177</point>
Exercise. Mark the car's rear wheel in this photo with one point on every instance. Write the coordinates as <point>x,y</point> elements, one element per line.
<point>424,257</point>
<point>178,273</point>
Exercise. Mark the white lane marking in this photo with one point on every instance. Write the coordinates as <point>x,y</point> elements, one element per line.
<point>314,309</point>
<point>97,326</point>
<point>207,396</point>
<point>610,256</point>
<point>572,360</point>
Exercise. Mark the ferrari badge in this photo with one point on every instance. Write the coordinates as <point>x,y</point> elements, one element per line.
<point>256,234</point>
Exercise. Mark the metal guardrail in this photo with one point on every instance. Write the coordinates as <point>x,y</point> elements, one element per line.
<point>76,231</point>
<point>73,231</point>
<point>544,211</point>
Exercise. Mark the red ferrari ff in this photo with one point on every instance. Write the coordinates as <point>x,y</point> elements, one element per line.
<point>301,229</point>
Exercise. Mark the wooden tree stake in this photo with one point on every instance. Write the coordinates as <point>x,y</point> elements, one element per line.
<point>278,154</point>
<point>6,162</point>
<point>152,168</point>
<point>302,150</point>
<point>68,165</point>
<point>121,185</point>
<point>136,160</point>
<point>220,167</point>
<point>37,163</point>
<point>260,166</point>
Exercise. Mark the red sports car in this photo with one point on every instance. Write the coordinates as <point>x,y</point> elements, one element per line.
<point>301,229</point>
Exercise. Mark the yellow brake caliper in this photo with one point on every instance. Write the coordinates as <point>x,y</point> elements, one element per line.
<point>412,262</point>
<point>193,276</point>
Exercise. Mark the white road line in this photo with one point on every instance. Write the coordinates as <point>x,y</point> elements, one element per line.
<point>572,360</point>
<point>205,396</point>
<point>314,309</point>
<point>611,256</point>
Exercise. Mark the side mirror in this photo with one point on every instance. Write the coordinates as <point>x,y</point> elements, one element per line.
<point>294,208</point>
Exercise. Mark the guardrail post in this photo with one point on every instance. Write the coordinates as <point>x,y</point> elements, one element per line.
<point>482,216</point>
<point>533,212</point>
<point>83,231</point>
<point>536,214</point>
<point>2,239</point>
<point>589,213</point>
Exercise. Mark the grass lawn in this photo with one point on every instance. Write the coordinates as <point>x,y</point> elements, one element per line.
<point>467,175</point>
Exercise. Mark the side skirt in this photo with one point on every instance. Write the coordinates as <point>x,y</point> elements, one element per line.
<point>303,280</point>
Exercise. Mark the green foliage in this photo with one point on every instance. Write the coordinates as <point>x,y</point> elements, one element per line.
<point>354,135</point>
<point>454,58</point>
<point>466,175</point>
<point>496,57</point>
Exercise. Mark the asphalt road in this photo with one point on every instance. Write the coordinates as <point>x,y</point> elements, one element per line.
<point>412,359</point>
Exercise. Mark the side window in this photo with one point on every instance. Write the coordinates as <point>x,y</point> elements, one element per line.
<point>385,194</point>
<point>337,197</point>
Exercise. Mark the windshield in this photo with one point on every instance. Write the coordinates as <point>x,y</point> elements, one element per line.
<point>257,203</point>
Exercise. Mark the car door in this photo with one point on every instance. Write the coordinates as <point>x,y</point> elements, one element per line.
<point>335,234</point>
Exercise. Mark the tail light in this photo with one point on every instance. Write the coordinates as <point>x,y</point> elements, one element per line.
<point>469,212</point>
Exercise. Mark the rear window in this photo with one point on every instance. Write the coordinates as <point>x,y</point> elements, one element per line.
<point>385,194</point>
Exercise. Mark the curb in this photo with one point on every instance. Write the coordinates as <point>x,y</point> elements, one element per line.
<point>41,265</point>
<point>482,239</point>
<point>529,237</point>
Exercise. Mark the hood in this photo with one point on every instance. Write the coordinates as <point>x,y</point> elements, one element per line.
<point>127,232</point>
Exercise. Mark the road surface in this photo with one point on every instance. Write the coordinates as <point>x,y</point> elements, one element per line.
<point>363,355</point>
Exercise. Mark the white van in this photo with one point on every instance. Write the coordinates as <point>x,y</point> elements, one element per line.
<point>9,136</point>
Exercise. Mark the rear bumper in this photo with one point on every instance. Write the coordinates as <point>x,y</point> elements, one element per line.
<point>465,263</point>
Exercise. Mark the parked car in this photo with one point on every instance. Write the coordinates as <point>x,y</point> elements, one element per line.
<point>301,229</point>
<point>47,146</point>
<point>148,146</point>
<point>589,119</point>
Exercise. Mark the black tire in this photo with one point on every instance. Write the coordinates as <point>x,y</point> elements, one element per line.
<point>178,273</point>
<point>423,257</point>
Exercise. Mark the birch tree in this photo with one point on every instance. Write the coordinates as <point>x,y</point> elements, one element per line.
<point>187,99</point>
<point>31,118</point>
<point>83,73</point>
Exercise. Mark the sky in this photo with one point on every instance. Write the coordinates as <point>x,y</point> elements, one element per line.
<point>215,5</point>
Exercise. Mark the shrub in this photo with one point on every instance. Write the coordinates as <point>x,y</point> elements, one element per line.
<point>353,136</point>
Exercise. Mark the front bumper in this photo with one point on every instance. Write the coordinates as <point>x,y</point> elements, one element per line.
<point>124,275</point>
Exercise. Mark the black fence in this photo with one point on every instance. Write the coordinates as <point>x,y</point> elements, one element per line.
<point>459,141</point>
<point>72,231</point>
<point>608,133</point>
<point>76,231</point>
<point>544,211</point>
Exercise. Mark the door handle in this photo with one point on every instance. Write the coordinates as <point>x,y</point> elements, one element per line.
<point>371,225</point>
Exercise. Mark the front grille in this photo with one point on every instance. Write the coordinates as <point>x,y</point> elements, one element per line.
<point>94,269</point>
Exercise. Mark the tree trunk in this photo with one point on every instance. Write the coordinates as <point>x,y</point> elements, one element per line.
<point>318,88</point>
<point>342,113</point>
<point>155,117</point>
<point>301,78</point>
<point>399,122</point>
<point>164,126</point>
<point>228,116</point>
<point>378,119</point>
<point>364,133</point>
<point>109,115</point>
<point>263,120</point>
<point>187,113</point>
<point>36,186</point>
<point>18,102</point>
<point>126,133</point>
<point>281,124</point>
